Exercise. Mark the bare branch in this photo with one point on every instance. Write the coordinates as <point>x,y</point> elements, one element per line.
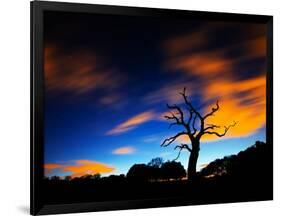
<point>178,155</point>
<point>188,103</point>
<point>179,112</point>
<point>211,127</point>
<point>173,117</point>
<point>226,128</point>
<point>187,147</point>
<point>168,141</point>
<point>190,118</point>
<point>214,109</point>
<point>181,147</point>
<point>187,125</point>
<point>193,125</point>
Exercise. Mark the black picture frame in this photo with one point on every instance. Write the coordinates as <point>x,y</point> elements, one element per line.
<point>37,89</point>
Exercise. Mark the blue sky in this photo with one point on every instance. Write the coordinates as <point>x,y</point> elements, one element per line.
<point>108,80</point>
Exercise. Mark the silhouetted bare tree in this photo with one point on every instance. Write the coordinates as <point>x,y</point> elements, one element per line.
<point>194,127</point>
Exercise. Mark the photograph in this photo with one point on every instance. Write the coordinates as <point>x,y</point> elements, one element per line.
<point>147,107</point>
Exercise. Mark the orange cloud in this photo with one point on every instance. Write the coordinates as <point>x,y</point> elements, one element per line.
<point>132,123</point>
<point>242,101</point>
<point>79,72</point>
<point>88,167</point>
<point>186,42</point>
<point>203,64</point>
<point>124,150</point>
<point>81,167</point>
<point>219,72</point>
<point>110,99</point>
<point>194,52</point>
<point>52,166</point>
<point>256,47</point>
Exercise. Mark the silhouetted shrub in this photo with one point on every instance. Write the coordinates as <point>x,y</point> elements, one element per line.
<point>55,178</point>
<point>67,178</point>
<point>249,162</point>
<point>173,170</point>
<point>139,172</point>
<point>156,170</point>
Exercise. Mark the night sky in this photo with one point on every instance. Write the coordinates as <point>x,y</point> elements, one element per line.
<point>108,80</point>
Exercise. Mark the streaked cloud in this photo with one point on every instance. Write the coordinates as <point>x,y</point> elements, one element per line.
<point>152,138</point>
<point>186,42</point>
<point>224,73</point>
<point>80,168</point>
<point>203,64</point>
<point>110,99</point>
<point>83,167</point>
<point>124,150</point>
<point>246,105</point>
<point>80,71</point>
<point>168,94</point>
<point>132,123</point>
<point>50,167</point>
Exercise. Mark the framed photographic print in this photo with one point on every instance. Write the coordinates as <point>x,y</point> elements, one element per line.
<point>139,107</point>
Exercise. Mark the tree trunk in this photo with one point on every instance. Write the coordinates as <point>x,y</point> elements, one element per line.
<point>191,170</point>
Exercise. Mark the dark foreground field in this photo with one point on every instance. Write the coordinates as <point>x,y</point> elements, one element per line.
<point>247,176</point>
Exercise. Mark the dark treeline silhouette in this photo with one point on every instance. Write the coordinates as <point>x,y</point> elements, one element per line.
<point>156,170</point>
<point>247,176</point>
<point>244,163</point>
